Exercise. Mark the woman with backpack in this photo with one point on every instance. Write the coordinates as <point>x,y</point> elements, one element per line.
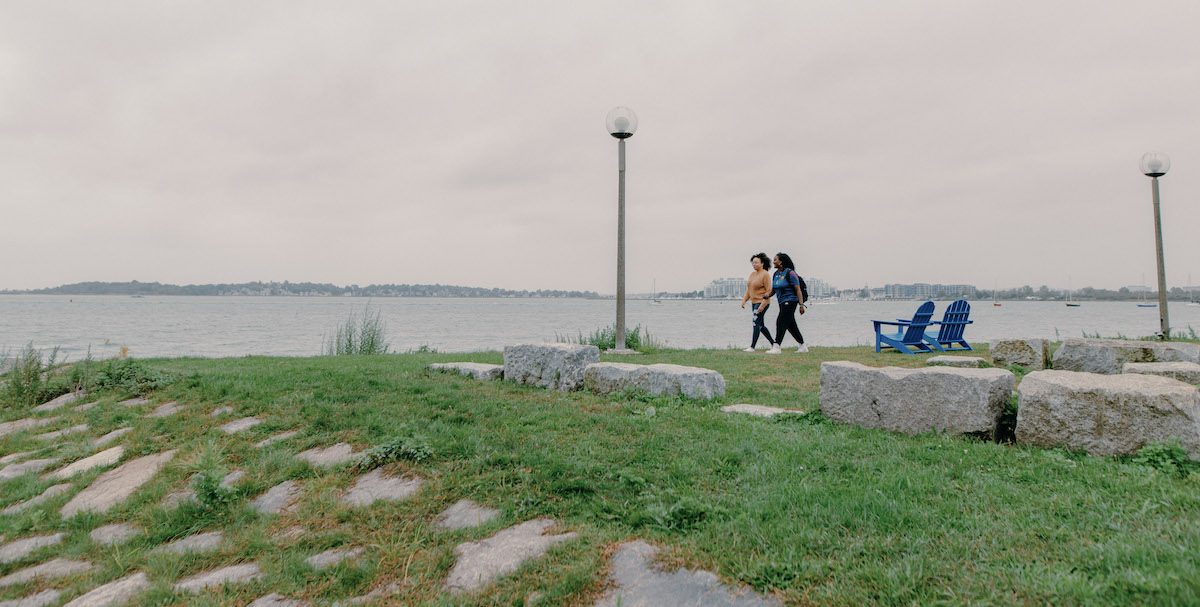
<point>790,290</point>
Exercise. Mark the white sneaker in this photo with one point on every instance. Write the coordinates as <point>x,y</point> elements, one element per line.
<point>748,350</point>
<point>775,350</point>
<point>803,348</point>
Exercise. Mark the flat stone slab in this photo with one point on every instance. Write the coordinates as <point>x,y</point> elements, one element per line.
<point>1108,356</point>
<point>479,371</point>
<point>915,401</point>
<point>46,496</point>
<point>116,485</point>
<point>1106,414</point>
<point>328,457</point>
<point>41,599</point>
<point>28,423</point>
<point>115,533</point>
<point>85,406</point>
<point>277,499</point>
<point>167,409</point>
<point>219,411</point>
<point>114,593</point>
<point>134,402</point>
<point>329,558</point>
<point>201,542</point>
<point>107,457</point>
<point>956,361</point>
<point>55,568</point>
<point>553,366</point>
<point>693,382</point>
<point>63,432</point>
<point>277,600</point>
<point>1184,372</point>
<point>15,551</point>
<point>639,584</point>
<point>232,479</point>
<point>482,561</point>
<point>176,499</point>
<point>12,471</point>
<point>374,486</point>
<point>464,514</point>
<point>276,438</point>
<point>236,574</point>
<point>110,437</point>
<point>378,593</point>
<point>759,410</point>
<point>239,425</point>
<point>12,457</point>
<point>1031,353</point>
<point>61,401</point>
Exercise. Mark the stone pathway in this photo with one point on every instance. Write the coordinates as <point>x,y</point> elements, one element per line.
<point>239,425</point>
<point>114,593</point>
<point>110,437</point>
<point>85,406</point>
<point>61,401</point>
<point>114,534</point>
<point>759,410</point>
<point>638,584</point>
<point>115,486</point>
<point>328,457</point>
<point>46,495</point>
<point>482,561</point>
<point>15,551</point>
<point>276,438</point>
<point>465,513</point>
<point>199,543</point>
<point>19,425</point>
<point>12,457</point>
<point>166,409</point>
<point>134,402</point>
<point>55,568</point>
<point>277,499</point>
<point>107,457</point>
<point>219,411</point>
<point>329,558</point>
<point>236,574</point>
<point>374,486</point>
<point>63,432</point>
<point>12,471</point>
<point>277,600</point>
<point>41,599</point>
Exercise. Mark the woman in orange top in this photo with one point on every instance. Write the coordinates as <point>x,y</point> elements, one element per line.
<point>757,288</point>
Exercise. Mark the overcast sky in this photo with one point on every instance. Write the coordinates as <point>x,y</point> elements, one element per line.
<point>464,143</point>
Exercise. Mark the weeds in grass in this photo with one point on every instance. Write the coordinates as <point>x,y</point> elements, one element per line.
<point>128,376</point>
<point>1168,457</point>
<point>407,445</point>
<point>359,334</point>
<point>29,381</point>
<point>606,339</point>
<point>1006,428</point>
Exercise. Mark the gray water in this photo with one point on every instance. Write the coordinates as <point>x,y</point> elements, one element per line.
<point>295,326</point>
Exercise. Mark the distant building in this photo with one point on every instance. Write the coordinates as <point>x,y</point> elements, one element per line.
<point>726,287</point>
<point>923,290</point>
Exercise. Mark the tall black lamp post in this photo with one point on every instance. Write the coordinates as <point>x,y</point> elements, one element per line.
<point>1155,165</point>
<point>621,123</point>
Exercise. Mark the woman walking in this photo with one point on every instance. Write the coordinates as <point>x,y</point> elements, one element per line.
<point>788,288</point>
<point>757,288</point>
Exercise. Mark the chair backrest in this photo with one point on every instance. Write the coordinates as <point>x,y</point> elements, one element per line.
<point>954,321</point>
<point>916,329</point>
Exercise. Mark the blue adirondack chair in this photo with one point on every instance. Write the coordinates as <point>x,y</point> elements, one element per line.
<point>950,328</point>
<point>912,332</point>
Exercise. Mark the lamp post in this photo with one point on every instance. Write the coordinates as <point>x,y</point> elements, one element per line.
<point>1155,165</point>
<point>621,123</point>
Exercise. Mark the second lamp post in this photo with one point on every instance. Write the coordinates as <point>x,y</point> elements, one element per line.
<point>621,123</point>
<point>1156,165</point>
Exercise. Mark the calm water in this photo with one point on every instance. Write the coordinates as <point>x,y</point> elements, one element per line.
<point>295,326</point>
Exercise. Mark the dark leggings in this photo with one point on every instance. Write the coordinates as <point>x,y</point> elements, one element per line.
<point>759,327</point>
<point>786,322</point>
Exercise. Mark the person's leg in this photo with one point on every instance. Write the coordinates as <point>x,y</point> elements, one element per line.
<point>757,319</point>
<point>787,310</point>
<point>762,318</point>
<point>754,328</point>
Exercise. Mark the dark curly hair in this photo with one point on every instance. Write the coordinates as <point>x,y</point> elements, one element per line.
<point>766,261</point>
<point>785,261</point>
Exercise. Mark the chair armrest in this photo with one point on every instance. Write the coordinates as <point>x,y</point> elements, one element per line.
<point>902,323</point>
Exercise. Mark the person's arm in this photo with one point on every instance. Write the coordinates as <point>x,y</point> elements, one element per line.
<point>746,297</point>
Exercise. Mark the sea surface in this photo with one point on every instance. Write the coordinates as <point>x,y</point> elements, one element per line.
<point>156,326</point>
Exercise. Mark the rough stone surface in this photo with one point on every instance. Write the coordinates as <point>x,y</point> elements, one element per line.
<point>114,534</point>
<point>1184,372</point>
<point>278,498</point>
<point>276,438</point>
<point>166,409</point>
<point>638,584</point>
<point>465,513</point>
<point>328,457</point>
<point>134,402</point>
<point>114,593</point>
<point>480,371</point>
<point>63,432</point>
<point>219,411</point>
<point>41,599</point>
<point>759,410</point>
<point>482,561</point>
<point>13,427</point>
<point>232,479</point>
<point>176,499</point>
<point>914,401</point>
<point>1031,353</point>
<point>61,401</point>
<point>116,485</point>
<point>55,568</point>
<point>12,457</point>
<point>238,425</point>
<point>85,406</point>
<point>968,362</point>
<point>378,593</point>
<point>1106,414</point>
<point>110,437</point>
<point>201,542</point>
<point>15,551</point>
<point>374,486</point>
<point>329,558</point>
<point>12,471</point>
<point>236,574</point>
<point>46,495</point>
<point>1108,356</point>
<point>693,382</point>
<point>554,366</point>
<point>107,457</point>
<point>277,600</point>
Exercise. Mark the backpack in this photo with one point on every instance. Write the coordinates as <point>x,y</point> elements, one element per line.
<point>803,285</point>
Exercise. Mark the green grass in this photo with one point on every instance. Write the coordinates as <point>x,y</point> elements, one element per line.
<point>810,510</point>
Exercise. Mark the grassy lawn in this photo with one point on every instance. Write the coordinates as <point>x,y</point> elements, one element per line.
<point>815,512</point>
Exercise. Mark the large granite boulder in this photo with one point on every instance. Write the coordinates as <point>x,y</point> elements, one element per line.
<point>914,401</point>
<point>1106,414</point>
<point>693,382</point>
<point>554,366</point>
<point>1185,372</point>
<point>1031,353</point>
<point>1108,356</point>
